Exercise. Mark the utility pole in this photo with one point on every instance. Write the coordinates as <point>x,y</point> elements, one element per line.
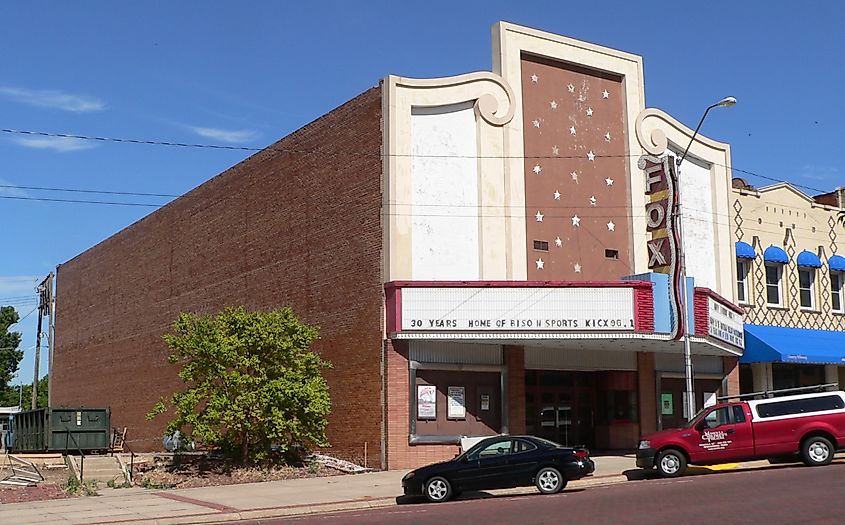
<point>43,308</point>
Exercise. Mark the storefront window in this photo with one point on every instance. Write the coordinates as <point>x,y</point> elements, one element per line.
<point>786,375</point>
<point>617,406</point>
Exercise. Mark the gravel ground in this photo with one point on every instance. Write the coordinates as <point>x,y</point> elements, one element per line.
<point>163,472</point>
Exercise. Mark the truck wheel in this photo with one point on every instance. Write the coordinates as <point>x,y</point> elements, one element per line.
<point>670,463</point>
<point>438,489</point>
<point>816,450</point>
<point>549,481</point>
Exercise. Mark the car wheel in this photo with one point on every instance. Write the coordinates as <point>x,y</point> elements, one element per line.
<point>549,481</point>
<point>670,463</point>
<point>438,489</point>
<point>816,451</point>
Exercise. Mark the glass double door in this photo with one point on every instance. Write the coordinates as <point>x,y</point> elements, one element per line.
<point>559,410</point>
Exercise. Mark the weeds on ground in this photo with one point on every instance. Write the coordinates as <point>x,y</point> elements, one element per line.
<point>81,488</point>
<point>147,483</point>
<point>112,484</point>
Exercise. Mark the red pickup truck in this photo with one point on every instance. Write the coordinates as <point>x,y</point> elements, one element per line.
<point>809,425</point>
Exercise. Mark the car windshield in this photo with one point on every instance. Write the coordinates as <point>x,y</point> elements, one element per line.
<point>694,418</point>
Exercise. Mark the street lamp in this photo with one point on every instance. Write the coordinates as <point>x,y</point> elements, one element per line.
<point>689,395</point>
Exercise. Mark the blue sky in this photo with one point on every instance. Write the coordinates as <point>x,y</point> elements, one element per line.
<point>248,73</point>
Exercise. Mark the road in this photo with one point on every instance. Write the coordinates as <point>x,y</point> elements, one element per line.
<point>780,496</point>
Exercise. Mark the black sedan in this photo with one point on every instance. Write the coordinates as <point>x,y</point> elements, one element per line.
<point>501,462</point>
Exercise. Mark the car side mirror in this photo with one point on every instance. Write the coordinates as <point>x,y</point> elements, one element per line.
<point>701,425</point>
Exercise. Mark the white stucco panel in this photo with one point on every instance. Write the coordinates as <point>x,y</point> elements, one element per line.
<point>444,193</point>
<point>696,189</point>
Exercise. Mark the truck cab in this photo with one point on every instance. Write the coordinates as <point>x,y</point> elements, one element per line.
<point>809,425</point>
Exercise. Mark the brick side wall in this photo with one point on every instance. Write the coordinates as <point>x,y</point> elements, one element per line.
<point>644,308</point>
<point>730,366</point>
<point>400,454</point>
<point>701,308</point>
<point>287,226</point>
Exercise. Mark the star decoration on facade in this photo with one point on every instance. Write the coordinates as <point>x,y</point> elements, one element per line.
<point>557,195</point>
<point>572,130</point>
<point>577,268</point>
<point>608,181</point>
<point>593,200</point>
<point>571,88</point>
<point>591,156</point>
<point>555,150</point>
<point>589,112</point>
<point>540,264</point>
<point>536,123</point>
<point>607,136</point>
<point>574,176</point>
<point>611,227</point>
<point>558,242</point>
<point>537,169</point>
<point>535,78</point>
<point>605,94</point>
<point>553,104</point>
<point>576,221</point>
<point>539,216</point>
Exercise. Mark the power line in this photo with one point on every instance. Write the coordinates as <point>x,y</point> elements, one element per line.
<point>74,190</point>
<point>81,201</point>
<point>131,141</point>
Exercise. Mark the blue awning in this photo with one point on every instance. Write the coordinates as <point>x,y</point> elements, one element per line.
<point>809,259</point>
<point>777,344</point>
<point>775,255</point>
<point>744,251</point>
<point>836,263</point>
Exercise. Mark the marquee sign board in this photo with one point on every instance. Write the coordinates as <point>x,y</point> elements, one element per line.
<point>513,309</point>
<point>724,324</point>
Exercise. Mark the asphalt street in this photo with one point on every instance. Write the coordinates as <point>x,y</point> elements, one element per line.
<point>791,495</point>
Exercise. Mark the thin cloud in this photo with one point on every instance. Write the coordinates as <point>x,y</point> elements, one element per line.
<point>48,98</point>
<point>820,173</point>
<point>18,285</point>
<point>60,144</point>
<point>238,136</point>
<point>11,192</point>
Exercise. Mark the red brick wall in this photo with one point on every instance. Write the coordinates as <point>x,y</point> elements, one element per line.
<point>730,366</point>
<point>648,394</point>
<point>291,225</point>
<point>515,361</point>
<point>400,454</point>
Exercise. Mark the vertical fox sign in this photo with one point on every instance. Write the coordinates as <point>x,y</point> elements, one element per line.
<point>661,185</point>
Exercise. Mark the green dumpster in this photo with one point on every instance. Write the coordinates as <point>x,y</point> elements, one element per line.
<point>61,430</point>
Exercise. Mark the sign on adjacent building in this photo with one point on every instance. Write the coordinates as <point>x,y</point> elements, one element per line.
<point>724,324</point>
<point>488,309</point>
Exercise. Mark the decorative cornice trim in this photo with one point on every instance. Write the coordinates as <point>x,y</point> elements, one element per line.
<point>486,104</point>
<point>656,142</point>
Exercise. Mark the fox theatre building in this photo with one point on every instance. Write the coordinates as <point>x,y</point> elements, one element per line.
<point>531,263</point>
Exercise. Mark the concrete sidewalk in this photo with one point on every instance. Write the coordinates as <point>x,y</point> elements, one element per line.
<point>269,499</point>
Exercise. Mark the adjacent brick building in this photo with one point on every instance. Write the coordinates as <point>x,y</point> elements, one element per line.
<point>473,248</point>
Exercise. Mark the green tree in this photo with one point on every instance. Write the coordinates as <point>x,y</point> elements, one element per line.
<point>12,394</point>
<point>250,381</point>
<point>10,356</point>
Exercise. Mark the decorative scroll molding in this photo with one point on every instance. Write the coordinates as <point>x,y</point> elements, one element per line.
<point>650,126</point>
<point>494,98</point>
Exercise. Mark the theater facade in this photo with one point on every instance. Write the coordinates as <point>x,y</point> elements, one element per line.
<point>500,255</point>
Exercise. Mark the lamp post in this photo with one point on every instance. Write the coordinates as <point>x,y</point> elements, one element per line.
<point>689,394</point>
